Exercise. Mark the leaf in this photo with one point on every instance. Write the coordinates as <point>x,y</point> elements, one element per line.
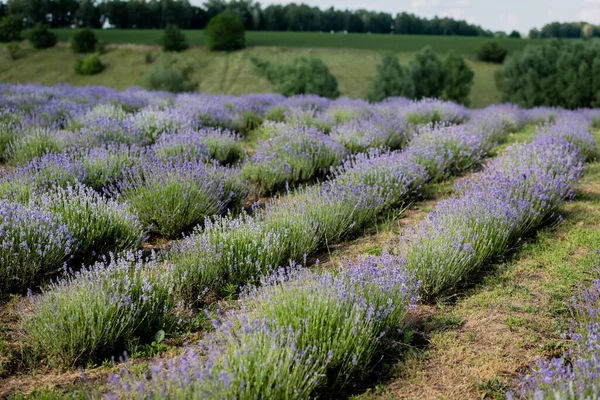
<point>159,336</point>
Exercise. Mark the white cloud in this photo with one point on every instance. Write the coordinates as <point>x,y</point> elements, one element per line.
<point>424,3</point>
<point>508,21</point>
<point>590,14</point>
<point>458,3</point>
<point>456,13</point>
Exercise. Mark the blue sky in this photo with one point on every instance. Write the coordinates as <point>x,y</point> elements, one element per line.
<point>504,15</point>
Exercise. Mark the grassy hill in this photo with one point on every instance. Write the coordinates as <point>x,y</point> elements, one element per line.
<point>351,58</point>
<point>361,41</point>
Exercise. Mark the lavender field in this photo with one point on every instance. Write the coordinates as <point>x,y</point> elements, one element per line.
<point>168,246</point>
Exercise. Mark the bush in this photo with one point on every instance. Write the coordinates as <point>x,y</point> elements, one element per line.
<point>459,79</point>
<point>100,48</point>
<point>41,37</point>
<point>491,52</point>
<point>34,244</point>
<point>100,311</point>
<point>10,28</point>
<point>294,155</point>
<point>427,74</point>
<point>14,50</point>
<point>225,32</point>
<point>90,65</point>
<point>555,73</point>
<point>206,144</point>
<point>173,39</point>
<point>98,225</point>
<point>391,80</point>
<point>83,41</point>
<point>174,196</point>
<point>35,144</point>
<point>163,75</point>
<point>303,76</point>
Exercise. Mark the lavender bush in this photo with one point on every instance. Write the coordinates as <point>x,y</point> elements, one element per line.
<point>290,156</point>
<point>35,143</point>
<point>98,225</point>
<point>99,310</point>
<point>361,134</point>
<point>35,244</point>
<point>172,196</point>
<point>208,143</point>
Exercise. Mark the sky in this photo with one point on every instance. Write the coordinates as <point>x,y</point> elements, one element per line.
<point>505,15</point>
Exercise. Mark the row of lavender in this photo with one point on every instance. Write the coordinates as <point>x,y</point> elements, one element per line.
<point>100,309</point>
<point>302,330</point>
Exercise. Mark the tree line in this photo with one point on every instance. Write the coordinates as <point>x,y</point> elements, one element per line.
<point>565,30</point>
<point>157,14</point>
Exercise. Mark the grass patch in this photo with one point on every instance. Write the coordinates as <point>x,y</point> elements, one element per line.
<point>230,73</point>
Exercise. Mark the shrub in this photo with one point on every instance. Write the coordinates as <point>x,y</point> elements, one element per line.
<point>105,166</point>
<point>100,48</point>
<point>34,144</point>
<point>290,156</point>
<point>40,175</point>
<point>173,39</point>
<point>41,37</point>
<point>35,244</point>
<point>391,80</point>
<point>10,28</point>
<point>459,79</point>
<point>90,65</point>
<point>225,32</point>
<point>491,52</point>
<point>514,35</point>
<point>14,50</point>
<point>427,73</point>
<point>83,41</point>
<point>98,225</point>
<point>163,75</point>
<point>209,143</point>
<point>174,196</point>
<point>555,73</point>
<point>364,133</point>
<point>100,311</point>
<point>303,76</point>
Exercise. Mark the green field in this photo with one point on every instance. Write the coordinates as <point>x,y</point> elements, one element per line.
<point>230,73</point>
<point>361,41</point>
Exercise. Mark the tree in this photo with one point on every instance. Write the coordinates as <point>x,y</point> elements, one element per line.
<point>225,32</point>
<point>555,73</point>
<point>10,28</point>
<point>303,76</point>
<point>534,34</point>
<point>514,35</point>
<point>41,37</point>
<point>173,39</point>
<point>83,41</point>
<point>391,80</point>
<point>458,79</point>
<point>88,14</point>
<point>491,52</point>
<point>164,75</point>
<point>427,73</point>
